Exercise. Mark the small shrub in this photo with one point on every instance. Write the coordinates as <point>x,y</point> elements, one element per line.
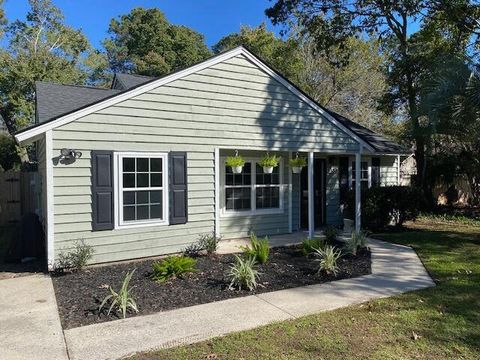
<point>234,161</point>
<point>356,241</point>
<point>172,266</point>
<point>76,259</point>
<point>243,274</point>
<point>259,249</point>
<point>121,300</point>
<point>209,243</point>
<point>270,160</point>
<point>330,234</point>
<point>328,259</point>
<point>310,245</point>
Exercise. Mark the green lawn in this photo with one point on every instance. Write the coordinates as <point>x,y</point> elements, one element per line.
<point>437,323</point>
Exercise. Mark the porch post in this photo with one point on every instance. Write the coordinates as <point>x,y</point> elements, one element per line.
<point>399,178</point>
<point>290,185</point>
<point>217,191</point>
<point>358,189</point>
<point>311,208</point>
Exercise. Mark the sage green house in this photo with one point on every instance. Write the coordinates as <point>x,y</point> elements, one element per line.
<point>139,169</point>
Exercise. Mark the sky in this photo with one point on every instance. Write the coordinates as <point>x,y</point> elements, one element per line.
<point>212,18</point>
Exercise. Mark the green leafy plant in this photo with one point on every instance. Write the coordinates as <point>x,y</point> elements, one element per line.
<point>330,234</point>
<point>76,259</point>
<point>259,249</point>
<point>310,245</point>
<point>243,274</point>
<point>206,242</point>
<point>356,241</point>
<point>270,161</point>
<point>121,300</point>
<point>234,161</point>
<point>298,162</point>
<point>328,257</point>
<point>172,266</point>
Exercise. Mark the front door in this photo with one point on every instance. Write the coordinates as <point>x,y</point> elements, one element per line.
<point>319,190</point>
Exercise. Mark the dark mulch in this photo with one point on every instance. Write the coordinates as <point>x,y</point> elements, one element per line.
<point>79,294</point>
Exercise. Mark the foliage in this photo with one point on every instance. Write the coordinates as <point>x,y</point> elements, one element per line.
<point>243,274</point>
<point>209,242</point>
<point>355,241</point>
<point>171,267</point>
<point>193,250</point>
<point>234,161</point>
<point>282,55</point>
<point>259,249</point>
<point>76,259</point>
<point>9,158</point>
<point>328,257</point>
<point>382,206</point>
<point>298,162</point>
<point>450,218</point>
<point>40,48</point>
<point>145,42</point>
<point>121,300</point>
<point>330,234</point>
<point>269,161</point>
<point>309,246</point>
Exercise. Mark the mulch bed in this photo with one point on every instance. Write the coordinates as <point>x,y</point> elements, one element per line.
<point>79,294</point>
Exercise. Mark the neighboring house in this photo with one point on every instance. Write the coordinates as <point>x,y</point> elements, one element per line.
<point>152,177</point>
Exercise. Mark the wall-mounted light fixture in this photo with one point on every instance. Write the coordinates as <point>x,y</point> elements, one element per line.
<point>70,154</point>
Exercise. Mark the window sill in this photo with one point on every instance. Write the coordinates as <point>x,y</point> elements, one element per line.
<point>227,214</point>
<point>140,225</point>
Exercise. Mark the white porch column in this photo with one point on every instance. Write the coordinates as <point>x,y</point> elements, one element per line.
<point>217,191</point>
<point>290,185</point>
<point>311,208</point>
<point>358,189</point>
<point>399,178</point>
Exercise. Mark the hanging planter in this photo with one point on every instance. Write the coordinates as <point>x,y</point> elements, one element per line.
<point>269,162</point>
<point>297,164</point>
<point>235,163</point>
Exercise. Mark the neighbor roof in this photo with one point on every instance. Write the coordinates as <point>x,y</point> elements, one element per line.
<point>55,101</point>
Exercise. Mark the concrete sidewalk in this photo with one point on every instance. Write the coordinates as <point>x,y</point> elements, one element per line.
<point>29,322</point>
<point>395,269</point>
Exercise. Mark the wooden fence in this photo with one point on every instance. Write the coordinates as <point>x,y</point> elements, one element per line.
<point>18,195</point>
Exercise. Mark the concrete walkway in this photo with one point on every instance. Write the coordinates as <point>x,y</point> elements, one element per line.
<point>395,269</point>
<point>29,322</point>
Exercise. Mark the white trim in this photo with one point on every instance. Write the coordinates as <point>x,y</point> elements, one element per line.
<point>398,170</point>
<point>290,201</point>
<point>311,205</point>
<point>23,136</point>
<point>49,211</point>
<point>358,188</point>
<point>217,192</point>
<point>253,210</point>
<point>118,190</point>
<point>367,160</point>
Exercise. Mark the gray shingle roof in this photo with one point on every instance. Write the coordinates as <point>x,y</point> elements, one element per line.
<point>54,100</point>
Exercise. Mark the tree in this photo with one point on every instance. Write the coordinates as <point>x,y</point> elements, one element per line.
<point>144,42</point>
<point>332,22</point>
<point>42,48</point>
<point>3,20</point>
<point>282,55</point>
<point>8,153</point>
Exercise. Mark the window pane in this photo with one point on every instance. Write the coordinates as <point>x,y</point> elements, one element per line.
<point>156,179</point>
<point>237,198</point>
<point>268,197</point>
<point>156,164</point>
<point>155,197</point>
<point>128,213</point>
<point>229,198</point>
<point>142,212</point>
<point>128,197</point>
<point>142,180</point>
<point>129,164</point>
<point>266,179</point>
<point>142,197</point>
<point>128,180</point>
<point>156,212</point>
<point>142,164</point>
<point>229,179</point>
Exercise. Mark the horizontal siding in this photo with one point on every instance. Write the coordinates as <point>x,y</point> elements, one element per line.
<point>232,104</point>
<point>388,171</point>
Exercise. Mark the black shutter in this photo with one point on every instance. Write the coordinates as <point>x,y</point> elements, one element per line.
<point>102,190</point>
<point>178,188</point>
<point>375,171</point>
<point>343,178</point>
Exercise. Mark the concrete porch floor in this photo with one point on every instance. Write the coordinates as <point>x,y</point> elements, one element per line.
<point>233,245</point>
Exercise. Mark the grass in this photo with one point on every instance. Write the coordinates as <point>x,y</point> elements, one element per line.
<point>437,323</point>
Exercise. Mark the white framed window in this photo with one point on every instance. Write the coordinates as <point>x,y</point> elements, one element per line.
<point>252,191</point>
<point>365,174</point>
<point>141,189</point>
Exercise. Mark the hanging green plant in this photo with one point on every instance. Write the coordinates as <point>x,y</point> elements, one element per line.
<point>268,162</point>
<point>297,164</point>
<point>236,163</point>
